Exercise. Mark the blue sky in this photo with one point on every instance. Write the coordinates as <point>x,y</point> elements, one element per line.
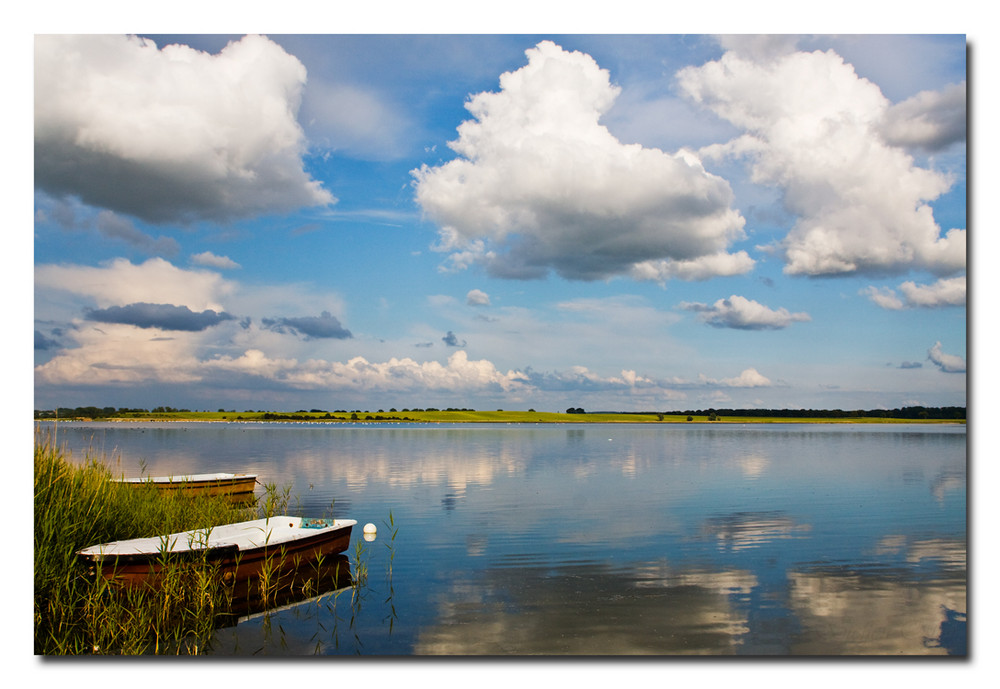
<point>500,221</point>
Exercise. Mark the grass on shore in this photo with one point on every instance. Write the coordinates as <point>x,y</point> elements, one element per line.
<point>77,505</point>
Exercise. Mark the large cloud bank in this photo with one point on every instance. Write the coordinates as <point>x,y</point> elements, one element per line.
<point>831,142</point>
<point>540,185</point>
<point>140,324</point>
<point>173,134</point>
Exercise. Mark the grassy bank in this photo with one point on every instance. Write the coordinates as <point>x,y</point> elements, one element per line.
<point>76,505</point>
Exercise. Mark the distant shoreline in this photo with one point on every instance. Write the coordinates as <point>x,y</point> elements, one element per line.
<point>492,417</point>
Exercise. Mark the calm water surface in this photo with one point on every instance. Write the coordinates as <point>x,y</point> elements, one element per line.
<point>603,539</point>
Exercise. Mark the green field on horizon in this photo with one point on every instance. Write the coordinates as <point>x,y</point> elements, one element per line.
<point>498,416</point>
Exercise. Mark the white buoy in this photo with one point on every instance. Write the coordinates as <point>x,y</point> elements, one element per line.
<point>370,528</point>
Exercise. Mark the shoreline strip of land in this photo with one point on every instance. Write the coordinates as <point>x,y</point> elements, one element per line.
<point>503,417</point>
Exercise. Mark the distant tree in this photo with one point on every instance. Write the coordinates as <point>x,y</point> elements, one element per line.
<point>690,418</point>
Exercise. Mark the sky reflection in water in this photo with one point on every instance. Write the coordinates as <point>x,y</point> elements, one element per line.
<point>607,540</point>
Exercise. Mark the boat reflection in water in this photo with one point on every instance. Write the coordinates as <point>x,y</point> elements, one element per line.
<point>308,582</point>
<point>311,611</point>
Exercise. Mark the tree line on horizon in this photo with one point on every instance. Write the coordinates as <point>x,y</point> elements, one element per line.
<point>914,412</point>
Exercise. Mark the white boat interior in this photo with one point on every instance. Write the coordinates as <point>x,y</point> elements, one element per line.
<point>247,535</point>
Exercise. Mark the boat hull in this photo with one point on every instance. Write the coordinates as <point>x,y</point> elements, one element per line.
<point>238,487</point>
<point>236,552</point>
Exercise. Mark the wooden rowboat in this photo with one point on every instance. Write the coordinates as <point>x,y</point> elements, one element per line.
<point>240,551</point>
<point>238,486</point>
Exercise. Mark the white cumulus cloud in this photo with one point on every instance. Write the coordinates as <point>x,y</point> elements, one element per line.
<point>109,353</point>
<point>210,260</point>
<point>744,314</point>
<point>949,363</point>
<point>749,378</point>
<point>540,185</point>
<point>930,120</point>
<point>477,297</point>
<point>122,282</point>
<point>813,129</point>
<point>171,134</point>
<point>885,297</point>
<point>701,268</point>
<point>458,374</point>
<point>944,292</point>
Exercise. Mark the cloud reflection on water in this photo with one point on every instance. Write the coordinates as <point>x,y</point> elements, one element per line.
<point>847,613</point>
<point>684,611</point>
<point>674,541</point>
<point>582,611</point>
<point>751,529</point>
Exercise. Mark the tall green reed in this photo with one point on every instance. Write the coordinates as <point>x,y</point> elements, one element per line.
<point>78,505</point>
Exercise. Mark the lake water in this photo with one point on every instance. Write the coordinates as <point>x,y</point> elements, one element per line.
<point>671,539</point>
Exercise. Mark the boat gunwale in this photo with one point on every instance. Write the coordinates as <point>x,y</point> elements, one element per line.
<point>197,542</point>
<point>218,478</point>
